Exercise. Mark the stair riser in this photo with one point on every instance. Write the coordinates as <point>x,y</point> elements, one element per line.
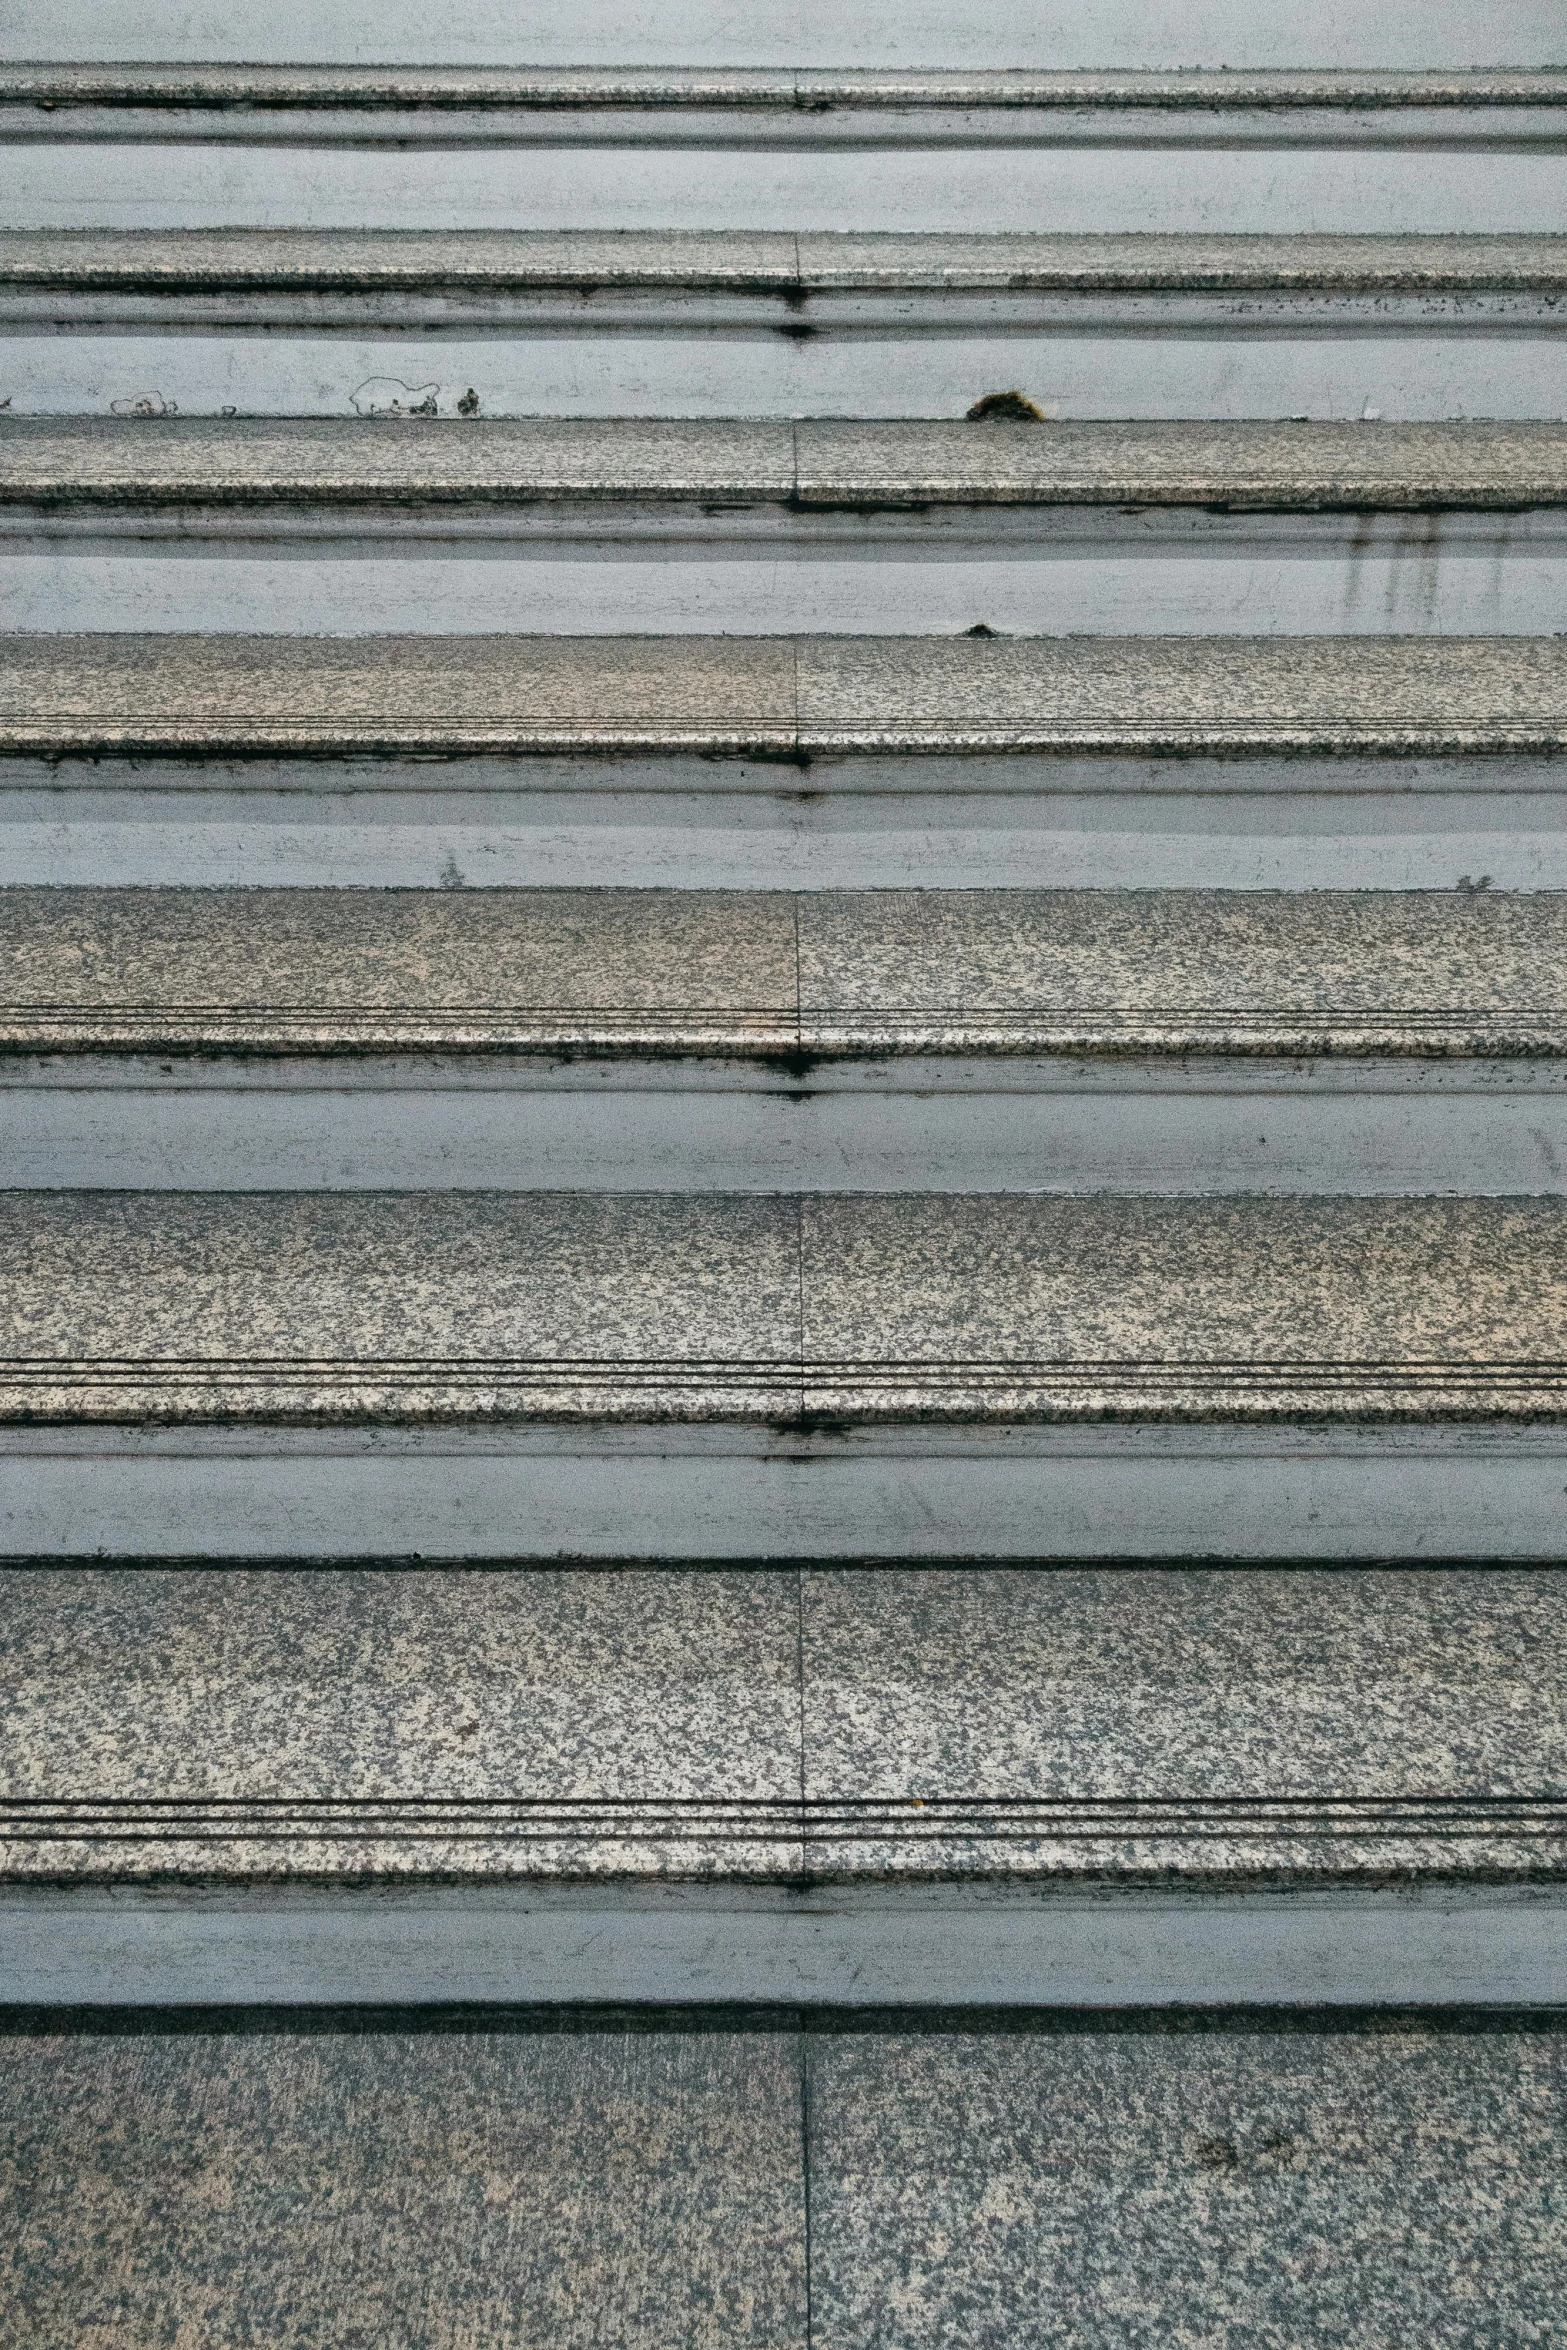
<point>1342,187</point>
<point>1059,574</point>
<point>1378,1128</point>
<point>866,823</point>
<point>807,34</point>
<point>1495,357</point>
<point>851,1952</point>
<point>925,1494</point>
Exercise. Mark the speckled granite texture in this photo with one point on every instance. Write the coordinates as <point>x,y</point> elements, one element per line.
<point>1112,1725</point>
<point>430,1307</point>
<point>247,260</point>
<point>337,2189</point>
<point>409,461</point>
<point>325,2184</point>
<point>1274,2184</point>
<point>1300,973</point>
<point>788,697</point>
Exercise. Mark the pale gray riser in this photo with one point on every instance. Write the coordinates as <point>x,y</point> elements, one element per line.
<point>850,1948</point>
<point>979,1728</point>
<point>1328,187</point>
<point>928,1494</point>
<point>808,36</point>
<point>1161,358</point>
<point>577,1310</point>
<point>965,1126</point>
<point>864,823</point>
<point>1047,573</point>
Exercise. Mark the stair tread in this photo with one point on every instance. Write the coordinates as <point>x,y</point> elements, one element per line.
<point>189,695</point>
<point>223,86</point>
<point>1119,1724</point>
<point>410,460</point>
<point>448,262</point>
<point>578,1307</point>
<point>773,973</point>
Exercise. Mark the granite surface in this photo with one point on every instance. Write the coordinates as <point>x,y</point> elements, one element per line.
<point>333,970</point>
<point>1221,695</point>
<point>446,695</point>
<point>330,2188</point>
<point>1279,2184</point>
<point>400,1306</point>
<point>446,261</point>
<point>1294,2182</point>
<point>467,86</point>
<point>789,697</point>
<point>409,461</point>
<point>1244,1308</point>
<point>398,461</point>
<point>423,1308</point>
<point>822,973</point>
<point>1118,1725</point>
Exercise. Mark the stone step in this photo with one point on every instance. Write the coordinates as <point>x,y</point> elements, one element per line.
<point>602,1781</point>
<point>1157,1728</point>
<point>827,150</point>
<point>839,763</point>
<point>729,322</point>
<point>767,2182</point>
<point>752,528</point>
<point>635,1040</point>
<point>699,1374</point>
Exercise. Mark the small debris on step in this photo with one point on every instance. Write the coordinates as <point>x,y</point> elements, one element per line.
<point>1005,408</point>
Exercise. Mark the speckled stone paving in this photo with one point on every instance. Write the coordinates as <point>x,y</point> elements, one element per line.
<point>414,1308</point>
<point>410,461</point>
<point>784,697</point>
<point>758,974</point>
<point>329,2189</point>
<point>1274,2184</point>
<point>325,2183</point>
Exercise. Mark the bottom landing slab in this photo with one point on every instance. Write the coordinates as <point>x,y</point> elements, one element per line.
<point>1301,1492</point>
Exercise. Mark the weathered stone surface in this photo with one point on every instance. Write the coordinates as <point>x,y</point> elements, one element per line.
<point>414,1308</point>
<point>791,697</point>
<point>1114,1726</point>
<point>1184,1723</point>
<point>413,461</point>
<point>1279,2182</point>
<point>327,2187</point>
<point>824,973</point>
<point>352,1723</point>
<point>1189,1308</point>
<point>152,261</point>
<point>1310,696</point>
<point>201,695</point>
<point>652,970</point>
<point>398,1305</point>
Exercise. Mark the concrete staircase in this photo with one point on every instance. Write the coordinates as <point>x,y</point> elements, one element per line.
<point>783,1103</point>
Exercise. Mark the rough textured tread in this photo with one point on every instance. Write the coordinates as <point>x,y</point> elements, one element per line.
<point>786,697</point>
<point>767,974</point>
